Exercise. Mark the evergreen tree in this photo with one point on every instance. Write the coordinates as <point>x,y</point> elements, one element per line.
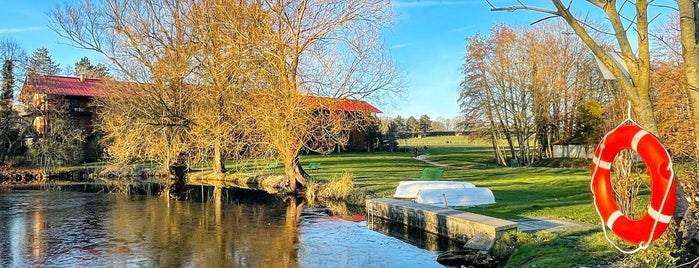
<point>391,142</point>
<point>588,126</point>
<point>400,124</point>
<point>412,124</point>
<point>425,123</point>
<point>41,63</point>
<point>8,83</point>
<point>10,130</point>
<point>85,67</point>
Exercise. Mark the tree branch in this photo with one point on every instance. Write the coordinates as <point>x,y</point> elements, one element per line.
<point>524,7</point>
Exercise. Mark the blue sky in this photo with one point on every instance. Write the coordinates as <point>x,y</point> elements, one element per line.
<point>427,39</point>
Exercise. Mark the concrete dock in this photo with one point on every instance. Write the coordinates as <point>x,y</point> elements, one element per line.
<point>477,231</point>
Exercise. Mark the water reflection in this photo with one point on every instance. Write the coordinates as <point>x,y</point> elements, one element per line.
<point>412,235</point>
<point>40,228</point>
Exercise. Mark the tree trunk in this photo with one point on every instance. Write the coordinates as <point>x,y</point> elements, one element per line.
<point>499,157</point>
<point>296,176</point>
<point>690,50</point>
<point>689,221</point>
<point>217,199</point>
<point>219,163</point>
<point>510,143</point>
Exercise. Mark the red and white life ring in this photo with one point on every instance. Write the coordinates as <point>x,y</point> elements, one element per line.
<point>662,197</point>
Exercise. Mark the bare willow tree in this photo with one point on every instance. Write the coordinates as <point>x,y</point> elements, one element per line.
<point>149,118</point>
<point>635,82</point>
<point>230,67</point>
<point>329,48</point>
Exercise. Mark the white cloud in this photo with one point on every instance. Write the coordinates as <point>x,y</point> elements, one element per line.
<point>399,46</point>
<point>21,30</point>
<point>462,29</point>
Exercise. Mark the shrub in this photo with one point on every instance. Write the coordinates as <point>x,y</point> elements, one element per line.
<point>337,189</point>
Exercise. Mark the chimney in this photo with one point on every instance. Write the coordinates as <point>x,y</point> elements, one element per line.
<point>82,78</point>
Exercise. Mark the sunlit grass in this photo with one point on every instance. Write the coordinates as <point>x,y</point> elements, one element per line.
<point>520,192</point>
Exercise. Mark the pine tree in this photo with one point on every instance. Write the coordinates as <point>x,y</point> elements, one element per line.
<point>85,67</point>
<point>10,135</point>
<point>41,63</point>
<point>8,83</point>
<point>412,124</point>
<point>425,123</point>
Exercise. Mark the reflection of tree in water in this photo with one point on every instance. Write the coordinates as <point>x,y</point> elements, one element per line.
<point>257,230</point>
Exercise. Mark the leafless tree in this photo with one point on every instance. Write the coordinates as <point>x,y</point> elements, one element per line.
<point>520,88</point>
<point>325,48</point>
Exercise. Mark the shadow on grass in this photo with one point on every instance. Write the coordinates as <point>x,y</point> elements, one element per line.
<point>570,249</point>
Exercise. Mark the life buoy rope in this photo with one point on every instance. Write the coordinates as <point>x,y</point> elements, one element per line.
<point>659,165</point>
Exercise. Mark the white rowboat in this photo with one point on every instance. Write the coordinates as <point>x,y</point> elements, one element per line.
<point>409,189</point>
<point>464,197</point>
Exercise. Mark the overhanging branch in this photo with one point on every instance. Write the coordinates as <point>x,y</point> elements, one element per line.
<point>522,6</point>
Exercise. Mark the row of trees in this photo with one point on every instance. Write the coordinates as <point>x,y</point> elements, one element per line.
<point>516,89</point>
<point>422,124</point>
<point>219,79</point>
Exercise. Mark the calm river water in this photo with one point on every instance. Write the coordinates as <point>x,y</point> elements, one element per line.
<point>77,229</point>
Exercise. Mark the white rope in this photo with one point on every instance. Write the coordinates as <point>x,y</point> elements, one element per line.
<point>628,117</point>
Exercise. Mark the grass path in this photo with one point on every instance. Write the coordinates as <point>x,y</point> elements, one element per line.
<point>433,163</point>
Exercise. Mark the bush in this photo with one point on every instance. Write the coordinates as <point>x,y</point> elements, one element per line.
<point>338,189</point>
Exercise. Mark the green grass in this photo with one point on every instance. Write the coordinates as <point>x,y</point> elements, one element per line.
<point>520,192</point>
<point>568,250</point>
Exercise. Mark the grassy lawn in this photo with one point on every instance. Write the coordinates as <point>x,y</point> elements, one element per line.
<point>520,192</point>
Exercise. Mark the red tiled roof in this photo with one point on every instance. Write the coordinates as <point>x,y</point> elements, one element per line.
<point>72,86</point>
<point>344,104</point>
<point>64,86</point>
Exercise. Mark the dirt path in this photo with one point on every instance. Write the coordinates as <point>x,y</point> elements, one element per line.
<point>423,158</point>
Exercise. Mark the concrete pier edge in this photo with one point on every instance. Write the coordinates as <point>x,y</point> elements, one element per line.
<point>477,231</point>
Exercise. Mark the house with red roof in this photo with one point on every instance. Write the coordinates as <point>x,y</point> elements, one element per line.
<point>70,96</point>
